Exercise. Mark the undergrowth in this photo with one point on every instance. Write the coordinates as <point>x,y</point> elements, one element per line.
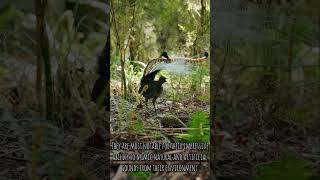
<point>199,128</point>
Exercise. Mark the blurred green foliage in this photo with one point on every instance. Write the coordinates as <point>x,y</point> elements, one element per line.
<point>201,132</point>
<point>290,167</point>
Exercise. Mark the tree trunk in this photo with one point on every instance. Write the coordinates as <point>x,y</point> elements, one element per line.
<point>319,48</point>
<point>123,75</point>
<point>196,46</point>
<point>39,61</point>
<point>290,60</point>
<point>101,89</point>
<point>121,49</point>
<point>40,6</point>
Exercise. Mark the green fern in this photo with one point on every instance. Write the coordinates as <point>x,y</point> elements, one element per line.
<point>197,77</point>
<point>137,127</point>
<point>141,175</point>
<point>200,133</point>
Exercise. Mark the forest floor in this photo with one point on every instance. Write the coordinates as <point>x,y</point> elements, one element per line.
<point>162,124</point>
<point>243,152</point>
<point>242,149</point>
<point>240,152</point>
<point>29,142</point>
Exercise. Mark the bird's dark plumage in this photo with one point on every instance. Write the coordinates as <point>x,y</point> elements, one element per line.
<point>147,78</point>
<point>206,54</point>
<point>150,88</point>
<point>153,90</point>
<point>165,54</point>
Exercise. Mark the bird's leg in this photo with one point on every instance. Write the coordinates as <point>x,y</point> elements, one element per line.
<point>146,102</point>
<point>154,103</point>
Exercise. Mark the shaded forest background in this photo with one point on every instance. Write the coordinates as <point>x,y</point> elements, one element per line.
<point>266,89</point>
<point>141,30</point>
<point>50,128</point>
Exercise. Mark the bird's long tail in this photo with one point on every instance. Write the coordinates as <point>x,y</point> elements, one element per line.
<point>177,65</point>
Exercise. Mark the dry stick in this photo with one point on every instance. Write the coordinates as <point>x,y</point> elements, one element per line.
<point>144,136</point>
<point>165,131</point>
<point>176,134</point>
<point>9,152</point>
<point>123,76</point>
<point>176,129</point>
<point>273,66</point>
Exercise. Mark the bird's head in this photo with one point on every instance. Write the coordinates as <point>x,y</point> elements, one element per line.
<point>164,54</point>
<point>162,79</point>
<point>206,54</point>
